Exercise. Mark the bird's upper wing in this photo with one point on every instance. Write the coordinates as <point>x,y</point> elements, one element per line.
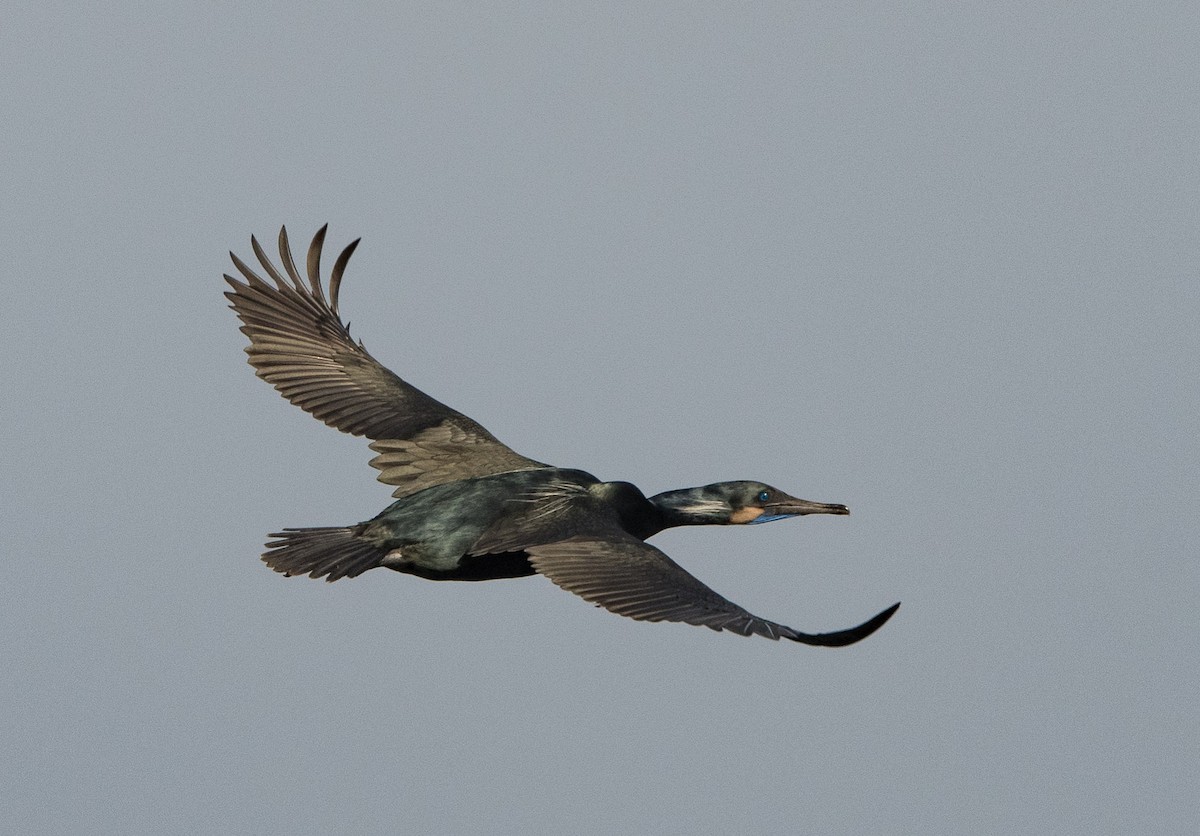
<point>299,344</point>
<point>629,577</point>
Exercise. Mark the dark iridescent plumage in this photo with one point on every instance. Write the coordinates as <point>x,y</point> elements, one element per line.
<point>468,507</point>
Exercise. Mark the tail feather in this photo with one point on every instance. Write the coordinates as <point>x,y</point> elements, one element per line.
<point>317,552</point>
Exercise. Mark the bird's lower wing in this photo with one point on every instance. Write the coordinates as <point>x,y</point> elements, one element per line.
<point>636,580</point>
<point>299,344</point>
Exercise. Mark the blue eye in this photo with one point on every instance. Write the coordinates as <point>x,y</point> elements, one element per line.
<point>764,496</point>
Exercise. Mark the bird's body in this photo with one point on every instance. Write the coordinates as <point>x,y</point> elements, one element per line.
<point>469,508</point>
<point>435,533</point>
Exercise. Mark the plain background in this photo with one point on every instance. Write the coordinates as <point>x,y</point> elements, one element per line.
<point>935,261</point>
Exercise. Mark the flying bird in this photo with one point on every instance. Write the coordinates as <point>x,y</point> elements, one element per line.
<point>469,508</point>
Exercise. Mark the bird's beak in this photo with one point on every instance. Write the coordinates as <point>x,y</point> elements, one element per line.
<point>790,506</point>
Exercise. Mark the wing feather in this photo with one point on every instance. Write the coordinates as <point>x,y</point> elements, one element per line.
<point>630,578</point>
<point>300,345</point>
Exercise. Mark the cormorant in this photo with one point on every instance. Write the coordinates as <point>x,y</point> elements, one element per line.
<point>468,507</point>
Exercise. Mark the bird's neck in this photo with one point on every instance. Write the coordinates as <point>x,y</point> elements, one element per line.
<point>689,506</point>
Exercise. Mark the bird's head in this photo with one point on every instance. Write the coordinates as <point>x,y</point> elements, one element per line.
<point>735,503</point>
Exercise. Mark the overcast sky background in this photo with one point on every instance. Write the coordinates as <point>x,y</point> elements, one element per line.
<point>937,262</point>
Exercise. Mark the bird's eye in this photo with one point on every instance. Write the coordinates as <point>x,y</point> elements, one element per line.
<point>764,496</point>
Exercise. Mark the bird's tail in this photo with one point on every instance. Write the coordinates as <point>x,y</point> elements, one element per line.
<point>333,552</point>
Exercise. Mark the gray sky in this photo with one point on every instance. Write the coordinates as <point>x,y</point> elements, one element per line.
<point>938,263</point>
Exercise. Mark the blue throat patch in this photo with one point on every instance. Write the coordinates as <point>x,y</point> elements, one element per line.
<point>771,518</point>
